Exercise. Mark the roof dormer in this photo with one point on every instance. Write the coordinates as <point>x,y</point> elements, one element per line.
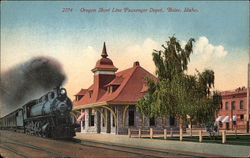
<point>80,94</point>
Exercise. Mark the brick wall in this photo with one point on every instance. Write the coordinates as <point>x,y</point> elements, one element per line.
<point>234,96</point>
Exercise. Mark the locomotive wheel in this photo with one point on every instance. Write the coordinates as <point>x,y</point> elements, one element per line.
<point>33,128</point>
<point>37,128</point>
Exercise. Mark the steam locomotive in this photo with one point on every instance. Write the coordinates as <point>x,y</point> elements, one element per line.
<point>49,116</point>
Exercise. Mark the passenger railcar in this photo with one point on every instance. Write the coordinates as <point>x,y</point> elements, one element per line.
<point>12,121</point>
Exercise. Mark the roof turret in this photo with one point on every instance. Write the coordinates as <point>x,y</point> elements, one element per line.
<point>104,63</point>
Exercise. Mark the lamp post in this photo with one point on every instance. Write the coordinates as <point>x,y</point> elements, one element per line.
<point>189,118</point>
<point>232,108</point>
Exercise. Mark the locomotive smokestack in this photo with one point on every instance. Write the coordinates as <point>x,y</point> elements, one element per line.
<point>28,81</point>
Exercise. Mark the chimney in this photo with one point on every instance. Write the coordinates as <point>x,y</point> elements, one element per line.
<point>136,64</point>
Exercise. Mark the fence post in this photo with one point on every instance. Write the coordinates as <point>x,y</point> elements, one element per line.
<point>191,131</point>
<point>129,132</point>
<point>236,132</point>
<point>200,136</point>
<point>181,134</point>
<point>151,133</point>
<point>165,133</point>
<point>180,129</point>
<point>139,133</point>
<point>171,132</point>
<point>224,137</point>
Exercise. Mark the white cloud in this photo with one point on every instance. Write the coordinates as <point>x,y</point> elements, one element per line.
<point>220,52</point>
<point>206,55</point>
<point>141,52</point>
<point>145,48</point>
<point>230,68</point>
<point>207,50</point>
<point>183,43</point>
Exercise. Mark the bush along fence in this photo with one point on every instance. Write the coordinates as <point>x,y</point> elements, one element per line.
<point>170,133</point>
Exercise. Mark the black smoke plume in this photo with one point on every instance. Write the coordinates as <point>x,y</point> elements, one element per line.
<point>29,80</point>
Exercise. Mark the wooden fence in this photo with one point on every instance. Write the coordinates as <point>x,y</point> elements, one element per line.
<point>151,133</point>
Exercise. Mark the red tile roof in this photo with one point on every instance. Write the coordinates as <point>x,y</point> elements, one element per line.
<point>131,85</point>
<point>104,63</point>
<point>117,81</point>
<point>242,90</point>
<point>91,88</point>
<point>81,92</point>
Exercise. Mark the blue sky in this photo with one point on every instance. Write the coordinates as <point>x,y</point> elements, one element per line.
<point>222,22</point>
<point>41,28</point>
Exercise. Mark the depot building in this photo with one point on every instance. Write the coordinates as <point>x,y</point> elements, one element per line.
<point>109,104</point>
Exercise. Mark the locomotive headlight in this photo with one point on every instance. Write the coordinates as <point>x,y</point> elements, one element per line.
<point>63,91</point>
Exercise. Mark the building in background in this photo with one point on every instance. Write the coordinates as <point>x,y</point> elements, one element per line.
<point>109,104</point>
<point>233,112</point>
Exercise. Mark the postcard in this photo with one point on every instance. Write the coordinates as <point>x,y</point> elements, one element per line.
<point>124,78</point>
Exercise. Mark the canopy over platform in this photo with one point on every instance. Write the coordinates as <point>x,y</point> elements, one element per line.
<point>226,119</point>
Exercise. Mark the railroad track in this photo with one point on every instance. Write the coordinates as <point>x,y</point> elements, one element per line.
<point>8,142</point>
<point>7,146</point>
<point>144,152</point>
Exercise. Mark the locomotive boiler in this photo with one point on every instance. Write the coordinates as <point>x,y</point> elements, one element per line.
<point>55,102</point>
<point>48,116</point>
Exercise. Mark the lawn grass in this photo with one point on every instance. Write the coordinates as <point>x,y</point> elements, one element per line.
<point>231,139</point>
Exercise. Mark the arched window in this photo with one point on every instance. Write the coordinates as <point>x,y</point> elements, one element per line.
<point>226,106</point>
<point>91,117</point>
<point>171,121</point>
<point>131,116</point>
<point>241,104</point>
<point>233,105</point>
<point>152,121</point>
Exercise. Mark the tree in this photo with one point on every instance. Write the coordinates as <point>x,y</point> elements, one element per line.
<point>176,93</point>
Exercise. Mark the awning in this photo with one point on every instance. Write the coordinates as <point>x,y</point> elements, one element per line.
<point>81,117</point>
<point>234,118</point>
<point>226,119</point>
<point>220,118</point>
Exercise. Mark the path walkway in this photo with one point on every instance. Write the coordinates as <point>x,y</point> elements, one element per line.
<point>202,148</point>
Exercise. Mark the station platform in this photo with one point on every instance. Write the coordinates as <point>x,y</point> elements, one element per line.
<point>206,149</point>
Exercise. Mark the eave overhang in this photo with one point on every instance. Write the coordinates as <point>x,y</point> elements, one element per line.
<point>99,104</point>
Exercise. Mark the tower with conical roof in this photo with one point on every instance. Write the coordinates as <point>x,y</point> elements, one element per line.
<point>104,65</point>
<point>104,72</point>
<point>104,51</point>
